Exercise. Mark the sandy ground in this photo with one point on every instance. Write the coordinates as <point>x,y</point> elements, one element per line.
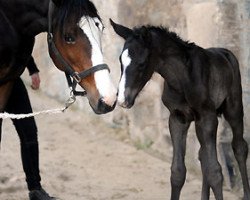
<point>81,159</point>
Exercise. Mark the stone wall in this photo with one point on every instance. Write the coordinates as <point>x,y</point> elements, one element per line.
<point>224,23</point>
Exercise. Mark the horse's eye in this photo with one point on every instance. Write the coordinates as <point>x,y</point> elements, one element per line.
<point>97,24</point>
<point>69,39</point>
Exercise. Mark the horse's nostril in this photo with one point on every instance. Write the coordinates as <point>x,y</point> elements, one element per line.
<point>125,104</point>
<point>103,107</point>
<point>101,103</point>
<point>110,101</point>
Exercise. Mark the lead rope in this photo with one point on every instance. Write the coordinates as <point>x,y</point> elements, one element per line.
<point>68,103</point>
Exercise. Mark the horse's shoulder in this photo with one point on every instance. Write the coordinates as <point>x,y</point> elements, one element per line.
<point>196,65</point>
<point>7,31</point>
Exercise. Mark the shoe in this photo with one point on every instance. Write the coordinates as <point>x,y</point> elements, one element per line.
<point>40,195</point>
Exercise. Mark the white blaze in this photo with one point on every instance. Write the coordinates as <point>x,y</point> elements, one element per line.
<point>93,27</point>
<point>126,60</point>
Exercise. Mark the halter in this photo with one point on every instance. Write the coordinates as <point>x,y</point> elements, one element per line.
<point>69,71</point>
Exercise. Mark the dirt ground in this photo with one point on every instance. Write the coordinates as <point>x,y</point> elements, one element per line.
<point>82,159</point>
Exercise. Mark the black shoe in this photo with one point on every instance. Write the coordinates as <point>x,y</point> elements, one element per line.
<point>40,195</point>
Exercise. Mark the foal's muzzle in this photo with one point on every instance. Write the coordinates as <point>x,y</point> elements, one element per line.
<point>126,104</point>
<point>129,99</point>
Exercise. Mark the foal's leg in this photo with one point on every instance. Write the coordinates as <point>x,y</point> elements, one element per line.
<point>234,115</point>
<point>178,131</point>
<point>206,128</point>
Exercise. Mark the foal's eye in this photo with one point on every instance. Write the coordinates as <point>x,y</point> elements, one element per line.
<point>69,39</point>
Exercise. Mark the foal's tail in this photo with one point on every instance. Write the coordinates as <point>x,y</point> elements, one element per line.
<point>0,135</point>
<point>1,121</point>
<point>0,139</point>
<point>235,66</point>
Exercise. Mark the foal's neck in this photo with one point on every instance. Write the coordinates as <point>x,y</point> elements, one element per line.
<point>169,54</point>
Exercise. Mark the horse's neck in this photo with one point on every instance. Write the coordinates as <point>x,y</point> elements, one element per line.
<point>28,17</point>
<point>167,58</point>
<point>172,69</point>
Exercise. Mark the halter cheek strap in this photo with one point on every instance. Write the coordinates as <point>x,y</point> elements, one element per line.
<point>77,77</point>
<point>69,71</point>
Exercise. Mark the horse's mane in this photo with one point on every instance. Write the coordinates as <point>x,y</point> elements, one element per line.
<point>70,11</point>
<point>166,33</point>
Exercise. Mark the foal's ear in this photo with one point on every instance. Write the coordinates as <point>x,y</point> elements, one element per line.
<point>122,31</point>
<point>57,2</point>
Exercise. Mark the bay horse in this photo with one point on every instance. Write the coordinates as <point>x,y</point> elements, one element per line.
<point>74,36</point>
<point>200,84</point>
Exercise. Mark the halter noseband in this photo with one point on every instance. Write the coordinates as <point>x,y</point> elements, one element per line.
<point>69,71</point>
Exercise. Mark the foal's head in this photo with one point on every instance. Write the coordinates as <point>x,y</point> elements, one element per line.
<point>135,63</point>
<point>77,30</point>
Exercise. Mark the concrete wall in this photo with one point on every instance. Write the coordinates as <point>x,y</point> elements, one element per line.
<point>224,23</point>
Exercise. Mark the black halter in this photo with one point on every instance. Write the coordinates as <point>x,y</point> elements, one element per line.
<point>69,71</point>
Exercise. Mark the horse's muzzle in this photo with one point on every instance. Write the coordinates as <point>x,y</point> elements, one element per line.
<point>103,108</point>
<point>125,105</point>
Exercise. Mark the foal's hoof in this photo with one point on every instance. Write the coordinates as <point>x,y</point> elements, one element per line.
<point>40,195</point>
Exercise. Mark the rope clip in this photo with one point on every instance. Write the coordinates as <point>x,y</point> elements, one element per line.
<point>70,101</point>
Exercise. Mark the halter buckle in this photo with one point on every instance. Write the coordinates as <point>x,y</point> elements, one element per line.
<point>71,100</point>
<point>76,77</point>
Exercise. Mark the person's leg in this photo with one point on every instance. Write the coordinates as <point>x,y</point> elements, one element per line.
<point>26,128</point>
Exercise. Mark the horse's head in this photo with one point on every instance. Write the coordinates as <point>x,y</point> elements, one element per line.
<point>76,31</point>
<point>135,66</point>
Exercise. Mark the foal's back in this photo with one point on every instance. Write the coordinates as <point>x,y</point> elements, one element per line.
<point>223,75</point>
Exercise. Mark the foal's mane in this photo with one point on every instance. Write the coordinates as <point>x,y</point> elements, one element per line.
<point>167,34</point>
<point>70,11</point>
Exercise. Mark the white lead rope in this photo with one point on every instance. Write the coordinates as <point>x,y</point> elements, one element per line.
<point>68,103</point>
<point>6,115</point>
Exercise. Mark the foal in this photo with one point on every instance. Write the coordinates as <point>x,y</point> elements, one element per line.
<point>199,85</point>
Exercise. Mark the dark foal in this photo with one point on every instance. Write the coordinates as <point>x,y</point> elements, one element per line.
<point>199,85</point>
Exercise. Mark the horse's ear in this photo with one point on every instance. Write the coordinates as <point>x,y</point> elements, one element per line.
<point>122,31</point>
<point>57,2</point>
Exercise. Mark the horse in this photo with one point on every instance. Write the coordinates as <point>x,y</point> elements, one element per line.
<point>200,84</point>
<point>74,36</point>
<point>74,30</point>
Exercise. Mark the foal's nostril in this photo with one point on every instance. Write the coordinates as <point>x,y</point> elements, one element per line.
<point>123,104</point>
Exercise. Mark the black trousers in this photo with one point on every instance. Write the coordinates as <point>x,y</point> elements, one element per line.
<point>27,130</point>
